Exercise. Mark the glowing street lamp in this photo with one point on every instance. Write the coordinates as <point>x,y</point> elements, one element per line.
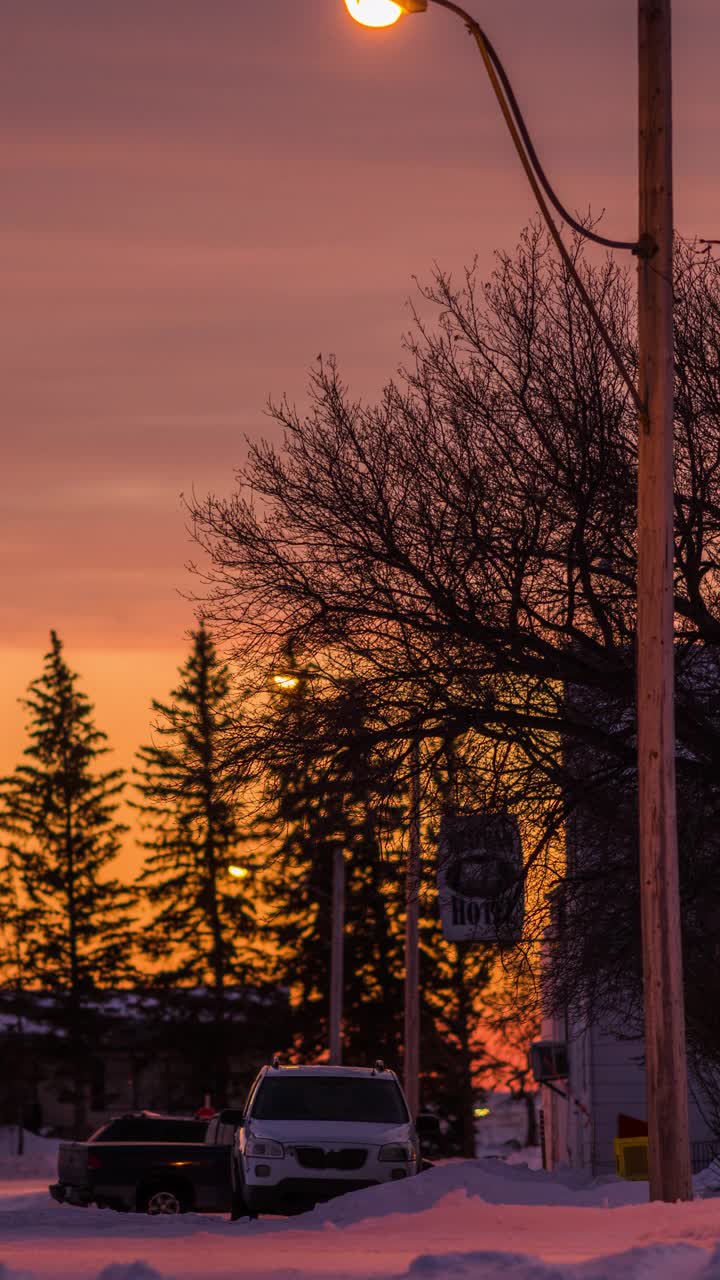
<point>374,13</point>
<point>383,13</point>
<point>238,873</point>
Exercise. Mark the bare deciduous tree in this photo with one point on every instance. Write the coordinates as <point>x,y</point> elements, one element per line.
<point>466,547</point>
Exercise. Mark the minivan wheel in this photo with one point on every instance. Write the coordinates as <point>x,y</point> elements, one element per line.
<point>239,1207</point>
<point>164,1202</point>
<point>237,1204</point>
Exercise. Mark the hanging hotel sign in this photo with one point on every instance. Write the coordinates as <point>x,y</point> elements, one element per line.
<point>480,879</point>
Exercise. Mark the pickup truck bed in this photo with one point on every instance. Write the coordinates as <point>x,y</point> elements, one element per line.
<point>149,1177</point>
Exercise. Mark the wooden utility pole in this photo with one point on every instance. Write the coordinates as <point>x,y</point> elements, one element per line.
<point>412,941</point>
<point>666,1065</point>
<point>337,947</point>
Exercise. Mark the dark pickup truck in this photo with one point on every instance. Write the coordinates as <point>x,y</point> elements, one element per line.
<point>150,1164</point>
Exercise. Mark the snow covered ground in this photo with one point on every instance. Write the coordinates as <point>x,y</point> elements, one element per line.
<point>464,1220</point>
<point>38,1161</point>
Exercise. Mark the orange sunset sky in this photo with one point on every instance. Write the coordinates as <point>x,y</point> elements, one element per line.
<point>198,196</point>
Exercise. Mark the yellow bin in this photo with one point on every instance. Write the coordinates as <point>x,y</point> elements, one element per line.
<point>631,1159</point>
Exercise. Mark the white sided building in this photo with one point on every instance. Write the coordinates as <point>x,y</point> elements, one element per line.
<point>596,1075</point>
<point>605,1080</point>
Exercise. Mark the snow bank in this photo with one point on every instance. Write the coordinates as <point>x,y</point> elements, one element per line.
<point>531,1156</point>
<point>464,1220</point>
<point>39,1159</point>
<point>493,1181</point>
<point>129,1271</point>
<point>682,1262</point>
<point>656,1262</point>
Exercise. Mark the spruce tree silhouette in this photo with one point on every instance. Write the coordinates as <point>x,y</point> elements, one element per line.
<point>202,920</point>
<point>324,788</point>
<point>61,837</point>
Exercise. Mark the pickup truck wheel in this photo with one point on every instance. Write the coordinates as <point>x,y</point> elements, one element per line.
<point>162,1200</point>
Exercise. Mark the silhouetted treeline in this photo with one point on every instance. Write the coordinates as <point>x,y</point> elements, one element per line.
<point>234,894</point>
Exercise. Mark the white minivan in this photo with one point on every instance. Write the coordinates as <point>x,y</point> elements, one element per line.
<point>311,1133</point>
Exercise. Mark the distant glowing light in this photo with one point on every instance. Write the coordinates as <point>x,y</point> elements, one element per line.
<point>286,682</point>
<point>482,1111</point>
<point>238,873</point>
<point>374,13</point>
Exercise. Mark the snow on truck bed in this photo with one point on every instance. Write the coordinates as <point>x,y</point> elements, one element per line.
<point>464,1220</point>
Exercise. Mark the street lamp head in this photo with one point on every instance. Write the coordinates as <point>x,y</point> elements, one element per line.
<point>383,13</point>
<point>238,873</point>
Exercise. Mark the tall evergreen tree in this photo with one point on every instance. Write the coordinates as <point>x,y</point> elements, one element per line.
<point>16,918</point>
<point>454,978</point>
<point>202,921</point>
<point>325,788</point>
<point>15,915</point>
<point>60,837</point>
<point>334,775</point>
<point>462,778</point>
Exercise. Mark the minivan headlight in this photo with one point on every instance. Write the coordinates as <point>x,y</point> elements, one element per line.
<point>398,1153</point>
<point>264,1148</point>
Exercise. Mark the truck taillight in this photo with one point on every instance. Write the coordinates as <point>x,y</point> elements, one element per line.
<point>94,1162</point>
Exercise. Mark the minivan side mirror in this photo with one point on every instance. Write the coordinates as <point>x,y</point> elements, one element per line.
<point>233,1116</point>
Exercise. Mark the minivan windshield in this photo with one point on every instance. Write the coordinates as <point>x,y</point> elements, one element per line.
<point>345,1098</point>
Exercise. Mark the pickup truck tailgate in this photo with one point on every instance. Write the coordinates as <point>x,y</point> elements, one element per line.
<point>123,1174</point>
<point>73,1164</point>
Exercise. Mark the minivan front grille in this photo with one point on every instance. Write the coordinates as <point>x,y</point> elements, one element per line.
<point>318,1158</point>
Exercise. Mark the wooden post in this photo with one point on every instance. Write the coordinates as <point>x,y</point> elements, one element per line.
<point>666,1067</point>
<point>412,941</point>
<point>337,956</point>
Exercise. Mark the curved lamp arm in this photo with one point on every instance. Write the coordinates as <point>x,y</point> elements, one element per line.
<point>492,61</point>
<point>538,181</point>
